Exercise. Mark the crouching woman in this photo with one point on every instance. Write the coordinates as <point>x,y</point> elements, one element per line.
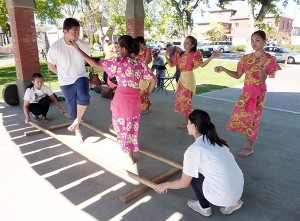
<point>210,168</point>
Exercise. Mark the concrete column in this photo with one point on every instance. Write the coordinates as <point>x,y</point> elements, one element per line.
<point>24,39</point>
<point>135,18</point>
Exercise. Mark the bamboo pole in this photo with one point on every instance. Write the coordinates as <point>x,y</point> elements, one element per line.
<point>136,192</point>
<point>162,159</point>
<point>96,160</point>
<point>145,152</point>
<point>34,132</point>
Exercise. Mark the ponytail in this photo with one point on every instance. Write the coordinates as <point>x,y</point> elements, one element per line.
<point>213,137</point>
<point>205,127</point>
<point>131,45</point>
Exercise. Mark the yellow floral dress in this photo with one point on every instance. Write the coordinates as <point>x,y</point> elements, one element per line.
<point>247,112</point>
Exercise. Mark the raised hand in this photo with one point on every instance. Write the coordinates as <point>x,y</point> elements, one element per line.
<point>215,54</point>
<point>218,69</point>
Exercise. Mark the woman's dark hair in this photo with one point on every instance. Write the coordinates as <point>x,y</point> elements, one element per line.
<point>260,33</point>
<point>131,45</point>
<point>34,76</point>
<point>194,42</point>
<point>70,23</point>
<point>141,40</point>
<point>205,127</point>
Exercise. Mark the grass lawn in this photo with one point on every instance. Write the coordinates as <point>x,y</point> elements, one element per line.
<point>207,80</point>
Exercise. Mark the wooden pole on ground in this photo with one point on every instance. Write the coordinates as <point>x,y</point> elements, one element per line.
<point>93,158</point>
<point>145,152</point>
<point>136,192</point>
<point>162,159</point>
<point>34,132</point>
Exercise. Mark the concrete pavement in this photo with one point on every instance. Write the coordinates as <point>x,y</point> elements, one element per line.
<point>42,179</point>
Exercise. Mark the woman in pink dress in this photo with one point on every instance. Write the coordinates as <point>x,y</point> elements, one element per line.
<point>126,105</point>
<point>247,112</point>
<point>187,61</point>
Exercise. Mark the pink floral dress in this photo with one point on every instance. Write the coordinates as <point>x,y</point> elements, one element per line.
<point>183,96</point>
<point>126,104</point>
<point>247,112</point>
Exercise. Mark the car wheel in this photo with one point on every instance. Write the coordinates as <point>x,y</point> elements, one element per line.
<point>222,50</point>
<point>291,60</point>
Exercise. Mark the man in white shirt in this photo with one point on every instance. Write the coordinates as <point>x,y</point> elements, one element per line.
<point>65,61</point>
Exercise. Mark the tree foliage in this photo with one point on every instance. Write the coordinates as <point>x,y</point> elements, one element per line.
<point>184,10</point>
<point>216,31</point>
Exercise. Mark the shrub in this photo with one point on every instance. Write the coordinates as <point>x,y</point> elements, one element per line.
<point>239,48</point>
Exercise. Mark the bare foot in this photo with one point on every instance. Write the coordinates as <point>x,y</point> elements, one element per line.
<point>146,111</point>
<point>78,135</point>
<point>74,125</point>
<point>246,151</point>
<point>183,125</point>
<point>130,157</point>
<point>112,129</point>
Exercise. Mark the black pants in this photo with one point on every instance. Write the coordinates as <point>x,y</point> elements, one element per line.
<point>197,187</point>
<point>40,108</point>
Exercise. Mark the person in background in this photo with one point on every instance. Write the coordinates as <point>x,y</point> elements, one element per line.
<point>69,66</point>
<point>247,112</point>
<point>125,106</point>
<point>187,61</point>
<point>171,51</point>
<point>37,99</point>
<point>210,168</point>
<point>157,64</point>
<point>109,52</point>
<point>145,54</point>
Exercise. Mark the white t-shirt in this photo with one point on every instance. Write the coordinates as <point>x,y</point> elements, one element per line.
<point>70,64</point>
<point>224,181</point>
<point>33,95</point>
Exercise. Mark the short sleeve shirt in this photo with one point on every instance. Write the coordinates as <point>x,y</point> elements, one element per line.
<point>33,95</point>
<point>70,64</point>
<point>223,183</point>
<point>127,71</point>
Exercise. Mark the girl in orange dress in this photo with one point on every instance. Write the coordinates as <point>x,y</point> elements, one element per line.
<point>145,54</point>
<point>187,61</point>
<point>247,112</point>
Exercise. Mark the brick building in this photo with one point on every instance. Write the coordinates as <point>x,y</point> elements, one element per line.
<point>236,20</point>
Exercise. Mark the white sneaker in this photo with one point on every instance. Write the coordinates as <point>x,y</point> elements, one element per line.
<point>195,205</point>
<point>230,209</point>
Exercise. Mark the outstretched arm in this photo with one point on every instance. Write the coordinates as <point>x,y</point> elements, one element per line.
<point>213,55</point>
<point>234,74</point>
<point>183,182</point>
<point>96,65</point>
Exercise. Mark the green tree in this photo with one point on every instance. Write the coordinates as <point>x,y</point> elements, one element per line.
<point>216,31</point>
<point>184,10</point>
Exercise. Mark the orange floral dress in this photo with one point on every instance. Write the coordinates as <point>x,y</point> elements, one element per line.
<point>145,101</point>
<point>247,112</point>
<point>183,95</point>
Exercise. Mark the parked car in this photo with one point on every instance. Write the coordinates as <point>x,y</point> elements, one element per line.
<point>206,50</point>
<point>222,46</point>
<point>282,53</point>
<point>154,47</point>
<point>160,44</point>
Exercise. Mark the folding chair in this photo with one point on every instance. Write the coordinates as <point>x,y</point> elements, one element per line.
<point>167,80</point>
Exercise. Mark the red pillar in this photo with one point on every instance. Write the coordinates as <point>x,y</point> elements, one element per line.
<point>24,39</point>
<point>135,27</point>
<point>135,18</point>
